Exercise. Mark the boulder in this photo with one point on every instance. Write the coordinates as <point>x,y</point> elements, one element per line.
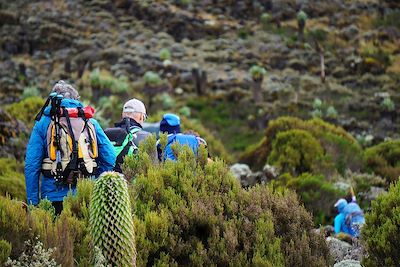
<point>240,171</point>
<point>338,249</point>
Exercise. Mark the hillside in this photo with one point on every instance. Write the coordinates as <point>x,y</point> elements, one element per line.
<point>296,99</point>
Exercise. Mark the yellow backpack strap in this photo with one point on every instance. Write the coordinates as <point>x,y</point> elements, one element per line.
<point>53,149</point>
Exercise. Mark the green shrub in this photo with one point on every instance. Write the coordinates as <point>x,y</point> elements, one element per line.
<point>387,104</point>
<point>34,255</point>
<point>257,72</point>
<point>30,91</point>
<point>265,20</point>
<point>152,78</point>
<point>165,54</point>
<point>105,81</point>
<point>315,192</point>
<point>341,151</point>
<point>13,224</point>
<point>12,181</point>
<point>295,151</point>
<point>5,251</point>
<point>191,212</point>
<point>331,113</point>
<point>381,233</point>
<point>26,110</point>
<point>384,160</point>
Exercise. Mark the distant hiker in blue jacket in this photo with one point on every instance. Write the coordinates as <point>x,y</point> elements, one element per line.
<point>171,124</point>
<point>349,219</point>
<point>38,150</point>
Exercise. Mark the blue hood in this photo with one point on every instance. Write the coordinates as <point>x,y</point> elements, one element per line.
<point>68,103</point>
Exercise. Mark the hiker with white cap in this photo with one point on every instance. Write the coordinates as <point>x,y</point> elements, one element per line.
<point>128,133</point>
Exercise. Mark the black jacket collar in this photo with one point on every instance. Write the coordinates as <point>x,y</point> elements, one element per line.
<point>132,123</point>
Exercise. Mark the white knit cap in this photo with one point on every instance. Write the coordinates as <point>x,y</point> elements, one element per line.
<point>134,105</point>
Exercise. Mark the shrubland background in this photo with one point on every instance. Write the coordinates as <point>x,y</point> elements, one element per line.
<point>244,74</point>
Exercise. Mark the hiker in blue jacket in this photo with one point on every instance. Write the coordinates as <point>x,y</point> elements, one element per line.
<point>349,219</point>
<point>37,151</point>
<point>171,124</point>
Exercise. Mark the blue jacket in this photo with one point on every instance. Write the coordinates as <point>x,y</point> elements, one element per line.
<point>345,210</point>
<point>37,151</point>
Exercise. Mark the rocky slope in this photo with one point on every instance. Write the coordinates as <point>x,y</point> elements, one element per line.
<point>43,41</point>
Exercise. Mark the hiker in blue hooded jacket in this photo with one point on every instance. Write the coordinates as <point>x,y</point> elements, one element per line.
<point>171,124</point>
<point>350,217</point>
<point>37,151</point>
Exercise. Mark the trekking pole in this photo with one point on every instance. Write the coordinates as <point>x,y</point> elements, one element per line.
<point>50,98</point>
<point>56,116</point>
<point>353,195</point>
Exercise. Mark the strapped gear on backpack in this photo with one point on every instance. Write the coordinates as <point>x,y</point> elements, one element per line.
<point>354,218</point>
<point>123,140</point>
<point>71,145</point>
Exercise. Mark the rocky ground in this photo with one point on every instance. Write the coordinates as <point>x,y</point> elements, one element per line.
<point>43,41</point>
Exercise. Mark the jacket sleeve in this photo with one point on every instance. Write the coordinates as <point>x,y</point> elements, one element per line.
<point>338,223</point>
<point>107,157</point>
<point>35,153</point>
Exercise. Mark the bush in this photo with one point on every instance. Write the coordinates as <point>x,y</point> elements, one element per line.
<point>26,110</point>
<point>295,151</point>
<point>381,233</point>
<point>257,72</point>
<point>105,81</point>
<point>387,104</point>
<point>152,78</point>
<point>189,212</point>
<point>12,181</point>
<point>33,256</point>
<point>30,91</point>
<point>384,160</point>
<point>315,192</point>
<point>5,251</point>
<point>67,233</point>
<point>341,151</point>
<point>165,54</point>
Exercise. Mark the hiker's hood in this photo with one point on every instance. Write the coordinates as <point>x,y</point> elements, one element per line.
<point>68,103</point>
<point>341,204</point>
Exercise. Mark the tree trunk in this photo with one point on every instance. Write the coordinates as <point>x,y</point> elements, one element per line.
<point>257,91</point>
<point>200,81</point>
<point>301,25</point>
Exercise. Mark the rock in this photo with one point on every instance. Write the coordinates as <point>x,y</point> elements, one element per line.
<point>374,192</point>
<point>270,172</point>
<point>348,263</point>
<point>338,249</point>
<point>240,171</point>
<point>342,186</point>
<point>350,32</point>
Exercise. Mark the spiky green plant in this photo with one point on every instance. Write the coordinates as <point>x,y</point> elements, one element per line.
<point>111,221</point>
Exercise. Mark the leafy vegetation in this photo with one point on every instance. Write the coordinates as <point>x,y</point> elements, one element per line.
<point>338,147</point>
<point>12,181</point>
<point>383,159</point>
<point>26,109</point>
<point>381,232</point>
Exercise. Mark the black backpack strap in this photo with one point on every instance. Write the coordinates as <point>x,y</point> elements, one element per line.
<point>73,163</point>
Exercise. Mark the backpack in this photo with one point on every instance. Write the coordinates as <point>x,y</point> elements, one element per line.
<point>183,139</point>
<point>71,147</point>
<point>354,218</point>
<point>122,139</point>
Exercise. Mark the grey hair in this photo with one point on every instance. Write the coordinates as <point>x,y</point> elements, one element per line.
<point>66,90</point>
